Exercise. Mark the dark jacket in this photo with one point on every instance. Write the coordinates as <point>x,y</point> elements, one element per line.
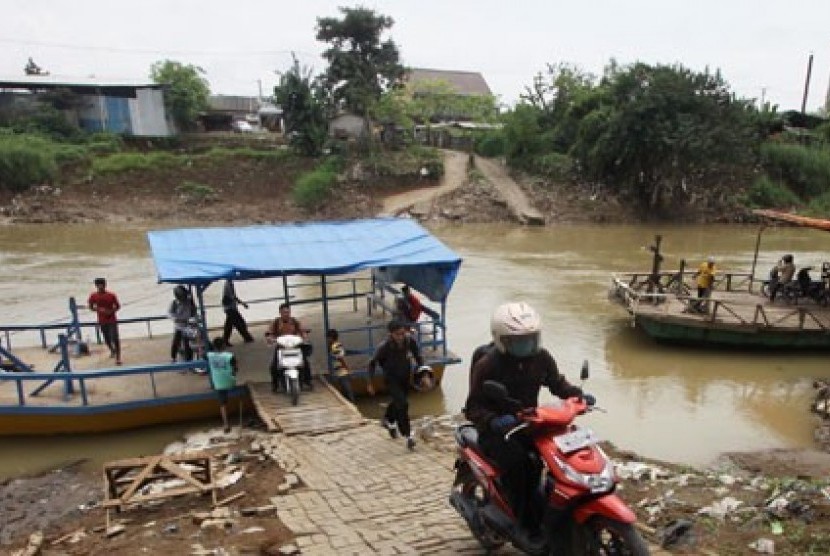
<point>394,358</point>
<point>523,379</point>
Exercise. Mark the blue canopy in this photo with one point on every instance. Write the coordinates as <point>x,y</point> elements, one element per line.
<point>399,250</point>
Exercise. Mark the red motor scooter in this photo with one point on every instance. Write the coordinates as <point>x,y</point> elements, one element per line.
<point>581,514</point>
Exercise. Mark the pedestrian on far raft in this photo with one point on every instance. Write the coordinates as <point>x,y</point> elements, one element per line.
<point>393,357</point>
<point>705,276</point>
<point>233,318</point>
<point>106,305</point>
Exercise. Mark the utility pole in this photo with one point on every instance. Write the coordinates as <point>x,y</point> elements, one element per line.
<point>807,84</point>
<point>763,96</point>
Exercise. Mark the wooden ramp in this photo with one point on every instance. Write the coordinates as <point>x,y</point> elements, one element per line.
<point>319,411</point>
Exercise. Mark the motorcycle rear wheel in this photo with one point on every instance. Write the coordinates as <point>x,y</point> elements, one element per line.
<point>486,537</point>
<point>603,536</point>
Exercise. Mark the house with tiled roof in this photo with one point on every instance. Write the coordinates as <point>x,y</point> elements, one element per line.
<point>465,83</point>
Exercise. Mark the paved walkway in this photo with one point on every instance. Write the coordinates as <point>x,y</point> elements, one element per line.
<point>367,494</point>
<point>364,493</point>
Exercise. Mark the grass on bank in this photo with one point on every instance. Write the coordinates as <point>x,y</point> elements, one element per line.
<point>313,188</point>
<point>804,169</point>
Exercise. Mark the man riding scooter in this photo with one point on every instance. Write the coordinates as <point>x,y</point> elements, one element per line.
<point>282,325</point>
<point>517,361</point>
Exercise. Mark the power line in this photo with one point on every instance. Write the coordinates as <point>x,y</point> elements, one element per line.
<point>160,52</point>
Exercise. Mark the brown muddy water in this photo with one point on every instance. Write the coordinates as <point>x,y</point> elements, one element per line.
<point>678,404</point>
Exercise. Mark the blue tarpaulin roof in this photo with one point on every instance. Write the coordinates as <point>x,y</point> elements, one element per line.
<point>399,249</point>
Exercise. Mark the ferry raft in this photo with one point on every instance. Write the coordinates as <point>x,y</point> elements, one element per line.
<point>738,315</point>
<point>342,275</point>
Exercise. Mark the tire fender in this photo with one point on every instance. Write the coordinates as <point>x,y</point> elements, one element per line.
<point>610,506</point>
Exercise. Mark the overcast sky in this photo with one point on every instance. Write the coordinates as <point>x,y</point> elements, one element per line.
<point>758,45</point>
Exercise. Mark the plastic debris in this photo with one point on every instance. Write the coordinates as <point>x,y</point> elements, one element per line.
<point>763,546</point>
<point>720,508</point>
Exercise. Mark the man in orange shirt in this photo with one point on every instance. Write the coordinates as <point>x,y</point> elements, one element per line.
<point>105,304</point>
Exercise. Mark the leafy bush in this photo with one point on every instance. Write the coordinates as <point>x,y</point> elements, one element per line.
<point>806,170</point>
<point>24,163</point>
<point>124,162</point>
<point>428,158</point>
<point>491,145</point>
<point>312,188</point>
<point>49,122</point>
<point>766,193</point>
<point>408,162</point>
<point>554,165</point>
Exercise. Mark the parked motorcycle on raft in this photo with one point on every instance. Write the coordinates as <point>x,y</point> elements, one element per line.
<point>581,516</point>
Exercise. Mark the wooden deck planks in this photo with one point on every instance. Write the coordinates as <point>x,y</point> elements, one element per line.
<point>319,411</point>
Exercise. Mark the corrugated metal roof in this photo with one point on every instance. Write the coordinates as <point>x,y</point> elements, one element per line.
<point>231,103</point>
<point>53,81</point>
<point>464,82</point>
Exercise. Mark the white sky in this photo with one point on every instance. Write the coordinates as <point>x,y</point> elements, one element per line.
<point>756,44</point>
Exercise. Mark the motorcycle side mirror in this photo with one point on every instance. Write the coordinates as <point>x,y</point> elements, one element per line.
<point>494,390</point>
<point>583,374</point>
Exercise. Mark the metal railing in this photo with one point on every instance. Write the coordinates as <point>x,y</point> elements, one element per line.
<point>84,378</point>
<point>723,310</point>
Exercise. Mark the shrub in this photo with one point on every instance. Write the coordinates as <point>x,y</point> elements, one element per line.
<point>124,162</point>
<point>766,193</point>
<point>408,162</point>
<point>491,145</point>
<point>554,165</point>
<point>806,170</point>
<point>312,188</point>
<point>428,158</point>
<point>23,164</point>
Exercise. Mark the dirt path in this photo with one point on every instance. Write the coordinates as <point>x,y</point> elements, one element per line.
<point>515,198</point>
<point>455,175</point>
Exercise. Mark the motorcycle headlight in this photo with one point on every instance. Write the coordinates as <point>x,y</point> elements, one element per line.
<point>595,482</point>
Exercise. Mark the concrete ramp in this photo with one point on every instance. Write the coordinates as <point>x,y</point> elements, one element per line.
<point>517,202</point>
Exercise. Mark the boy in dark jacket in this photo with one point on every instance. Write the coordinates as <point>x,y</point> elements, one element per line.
<point>393,357</point>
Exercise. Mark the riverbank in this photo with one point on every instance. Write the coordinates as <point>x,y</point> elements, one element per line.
<point>359,492</point>
<point>250,191</point>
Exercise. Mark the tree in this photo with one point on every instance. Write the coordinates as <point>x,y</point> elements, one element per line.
<point>186,92</point>
<point>301,99</point>
<point>437,99</point>
<point>361,67</point>
<point>655,130</point>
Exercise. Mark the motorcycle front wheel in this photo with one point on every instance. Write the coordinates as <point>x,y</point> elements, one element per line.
<point>294,390</point>
<point>603,536</point>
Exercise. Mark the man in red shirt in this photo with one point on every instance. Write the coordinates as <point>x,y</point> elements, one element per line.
<point>106,304</point>
<point>413,309</point>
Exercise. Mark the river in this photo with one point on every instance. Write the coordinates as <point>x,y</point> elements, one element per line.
<point>677,404</point>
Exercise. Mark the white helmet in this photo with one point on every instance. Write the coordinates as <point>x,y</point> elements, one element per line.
<point>516,329</point>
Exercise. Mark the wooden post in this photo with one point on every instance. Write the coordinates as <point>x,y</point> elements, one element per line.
<point>755,257</point>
